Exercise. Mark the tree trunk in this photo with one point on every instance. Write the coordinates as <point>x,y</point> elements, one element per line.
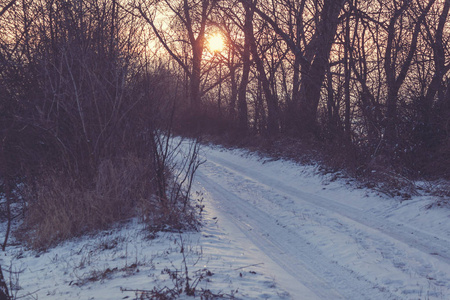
<point>272,106</point>
<point>391,116</point>
<point>242,91</point>
<point>234,88</point>
<point>194,91</point>
<point>313,73</point>
<point>347,75</point>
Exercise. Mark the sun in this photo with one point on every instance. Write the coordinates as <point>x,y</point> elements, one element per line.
<point>216,42</point>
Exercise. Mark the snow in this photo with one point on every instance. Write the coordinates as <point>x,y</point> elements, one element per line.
<point>272,230</point>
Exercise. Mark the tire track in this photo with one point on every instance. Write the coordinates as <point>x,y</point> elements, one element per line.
<point>300,259</point>
<point>430,245</point>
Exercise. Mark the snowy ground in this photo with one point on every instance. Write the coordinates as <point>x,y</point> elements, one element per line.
<point>273,230</point>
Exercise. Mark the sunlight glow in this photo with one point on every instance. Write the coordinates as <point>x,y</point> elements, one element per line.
<point>216,43</point>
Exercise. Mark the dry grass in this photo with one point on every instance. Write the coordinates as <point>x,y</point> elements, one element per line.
<point>63,208</point>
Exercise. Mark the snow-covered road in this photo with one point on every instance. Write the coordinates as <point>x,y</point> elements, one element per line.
<point>323,239</point>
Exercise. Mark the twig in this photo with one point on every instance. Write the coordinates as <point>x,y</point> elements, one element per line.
<point>249,266</point>
<point>28,294</point>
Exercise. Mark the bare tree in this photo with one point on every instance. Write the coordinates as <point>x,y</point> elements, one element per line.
<point>435,39</point>
<point>311,58</point>
<point>192,16</point>
<point>395,70</point>
<point>246,63</point>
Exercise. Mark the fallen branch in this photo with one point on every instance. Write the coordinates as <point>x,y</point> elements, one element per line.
<point>248,266</point>
<point>4,293</point>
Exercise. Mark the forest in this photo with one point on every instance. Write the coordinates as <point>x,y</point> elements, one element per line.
<point>369,79</point>
<point>92,90</point>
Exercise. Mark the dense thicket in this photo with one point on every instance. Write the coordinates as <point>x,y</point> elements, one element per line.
<point>370,78</point>
<point>84,119</point>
